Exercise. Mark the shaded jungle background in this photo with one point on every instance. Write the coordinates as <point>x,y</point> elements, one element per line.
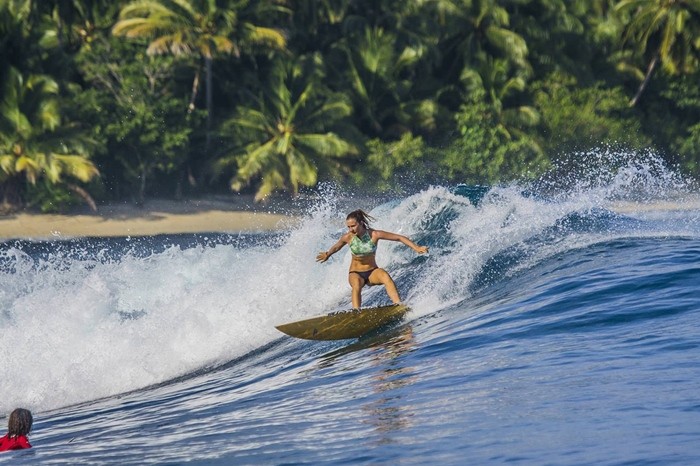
<point>125,100</point>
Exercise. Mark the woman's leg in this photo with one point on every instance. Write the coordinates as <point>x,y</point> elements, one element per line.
<point>356,283</point>
<point>382,277</point>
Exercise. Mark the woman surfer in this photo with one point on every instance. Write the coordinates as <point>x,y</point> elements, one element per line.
<point>363,246</point>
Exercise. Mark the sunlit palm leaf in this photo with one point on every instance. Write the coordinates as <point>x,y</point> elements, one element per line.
<point>528,116</point>
<point>271,182</point>
<point>329,144</point>
<point>28,165</point>
<point>77,166</point>
<point>49,114</point>
<point>301,170</point>
<point>7,163</point>
<point>253,162</point>
<point>263,35</point>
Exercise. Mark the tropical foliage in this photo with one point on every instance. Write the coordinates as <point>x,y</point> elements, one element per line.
<point>663,31</point>
<point>287,135</point>
<point>129,99</point>
<point>146,133</point>
<point>34,144</point>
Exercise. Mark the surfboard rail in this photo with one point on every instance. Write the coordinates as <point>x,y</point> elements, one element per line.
<point>345,324</point>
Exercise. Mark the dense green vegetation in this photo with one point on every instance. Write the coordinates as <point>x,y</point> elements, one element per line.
<point>114,100</point>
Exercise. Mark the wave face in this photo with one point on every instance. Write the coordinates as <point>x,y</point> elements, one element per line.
<point>556,322</point>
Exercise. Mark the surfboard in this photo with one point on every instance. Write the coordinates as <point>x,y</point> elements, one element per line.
<point>342,325</point>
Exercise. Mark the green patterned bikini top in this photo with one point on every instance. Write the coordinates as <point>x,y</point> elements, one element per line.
<point>362,246</point>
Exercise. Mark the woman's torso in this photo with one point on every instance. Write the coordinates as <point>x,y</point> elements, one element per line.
<point>363,251</point>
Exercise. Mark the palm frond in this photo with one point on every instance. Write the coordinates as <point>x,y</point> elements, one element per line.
<point>271,181</point>
<point>265,36</point>
<point>301,171</point>
<point>330,112</point>
<point>7,163</point>
<point>76,166</point>
<point>249,118</point>
<point>327,145</point>
<point>510,43</point>
<point>27,165</point>
<point>48,114</point>
<point>253,162</point>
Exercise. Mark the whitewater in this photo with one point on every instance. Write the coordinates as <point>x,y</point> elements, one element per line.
<point>553,322</point>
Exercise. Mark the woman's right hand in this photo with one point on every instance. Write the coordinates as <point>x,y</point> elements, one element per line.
<point>322,257</point>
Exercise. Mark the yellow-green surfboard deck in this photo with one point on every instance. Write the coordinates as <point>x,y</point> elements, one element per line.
<point>343,325</point>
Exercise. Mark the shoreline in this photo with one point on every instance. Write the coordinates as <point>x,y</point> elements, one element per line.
<point>213,214</point>
<point>156,217</point>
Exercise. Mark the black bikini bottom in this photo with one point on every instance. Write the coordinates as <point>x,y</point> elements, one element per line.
<point>365,274</point>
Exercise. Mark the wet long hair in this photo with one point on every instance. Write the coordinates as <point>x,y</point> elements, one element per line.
<point>20,422</point>
<point>361,217</point>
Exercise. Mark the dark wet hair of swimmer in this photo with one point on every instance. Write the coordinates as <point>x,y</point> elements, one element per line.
<point>20,422</point>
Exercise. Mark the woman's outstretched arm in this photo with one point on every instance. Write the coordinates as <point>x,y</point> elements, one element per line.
<point>323,256</point>
<point>387,235</point>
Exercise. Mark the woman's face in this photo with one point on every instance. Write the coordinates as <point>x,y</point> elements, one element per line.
<point>354,226</point>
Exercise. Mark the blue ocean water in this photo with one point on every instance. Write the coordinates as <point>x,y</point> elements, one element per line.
<point>553,323</point>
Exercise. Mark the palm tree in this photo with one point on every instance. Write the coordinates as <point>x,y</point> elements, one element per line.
<point>495,80</point>
<point>313,18</point>
<point>666,32</point>
<point>33,143</point>
<point>287,133</point>
<point>555,29</point>
<point>381,76</point>
<point>475,29</point>
<point>195,28</point>
<point>76,21</point>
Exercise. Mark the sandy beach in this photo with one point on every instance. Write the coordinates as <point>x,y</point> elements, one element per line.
<point>215,214</point>
<point>224,215</point>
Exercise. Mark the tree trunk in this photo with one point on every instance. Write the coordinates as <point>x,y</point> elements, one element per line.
<point>195,87</point>
<point>647,78</point>
<point>10,197</point>
<point>210,100</point>
<point>178,187</point>
<point>142,188</point>
<point>84,194</point>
